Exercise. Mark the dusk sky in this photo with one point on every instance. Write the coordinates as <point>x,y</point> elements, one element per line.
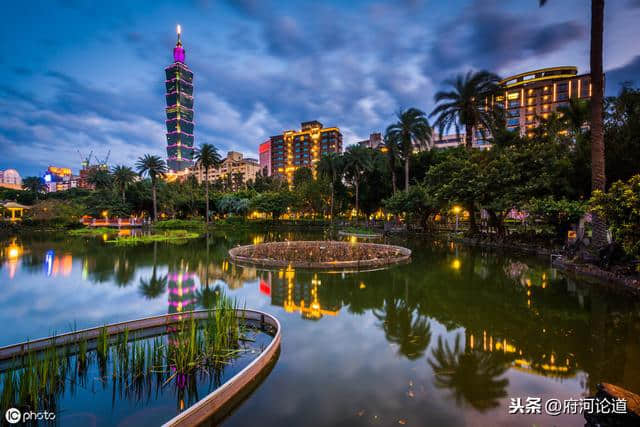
<point>84,76</point>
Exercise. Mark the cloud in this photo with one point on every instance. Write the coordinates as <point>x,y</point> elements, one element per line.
<point>486,37</point>
<point>628,73</point>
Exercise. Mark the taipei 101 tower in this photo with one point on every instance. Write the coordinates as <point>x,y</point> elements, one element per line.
<point>179,96</point>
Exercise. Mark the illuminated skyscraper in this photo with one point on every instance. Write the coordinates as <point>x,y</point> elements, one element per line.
<point>179,85</point>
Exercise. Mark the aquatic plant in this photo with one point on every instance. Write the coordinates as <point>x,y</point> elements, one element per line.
<point>133,364</point>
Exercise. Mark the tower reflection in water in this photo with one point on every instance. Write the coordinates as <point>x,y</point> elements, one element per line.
<point>301,295</point>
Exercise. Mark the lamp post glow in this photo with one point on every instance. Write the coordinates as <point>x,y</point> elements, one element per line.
<point>457,210</point>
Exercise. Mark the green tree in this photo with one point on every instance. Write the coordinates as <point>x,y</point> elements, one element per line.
<point>100,178</point>
<point>330,167</point>
<point>411,131</point>
<point>207,157</point>
<point>465,105</point>
<point>123,176</point>
<point>357,160</point>
<point>35,184</point>
<point>392,151</point>
<point>620,207</point>
<point>154,167</point>
<point>273,202</point>
<point>418,204</point>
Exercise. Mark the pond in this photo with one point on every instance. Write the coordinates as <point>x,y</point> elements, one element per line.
<point>447,339</point>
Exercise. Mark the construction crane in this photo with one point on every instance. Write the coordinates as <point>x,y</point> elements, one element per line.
<point>103,164</point>
<point>85,161</point>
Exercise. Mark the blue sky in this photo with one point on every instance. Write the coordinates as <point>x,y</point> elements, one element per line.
<point>88,76</point>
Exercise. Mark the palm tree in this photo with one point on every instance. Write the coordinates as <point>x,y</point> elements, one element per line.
<point>598,176</point>
<point>330,167</point>
<point>34,184</point>
<point>466,104</point>
<point>207,157</point>
<point>357,161</point>
<point>123,176</point>
<point>391,149</point>
<point>155,168</point>
<point>410,131</point>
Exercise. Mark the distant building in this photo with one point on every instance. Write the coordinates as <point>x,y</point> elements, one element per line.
<point>264,154</point>
<point>538,93</point>
<point>179,97</point>
<point>374,141</point>
<point>59,179</point>
<point>303,148</point>
<point>10,178</point>
<point>239,168</point>
<point>453,140</point>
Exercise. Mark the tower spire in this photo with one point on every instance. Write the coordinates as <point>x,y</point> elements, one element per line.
<point>178,51</point>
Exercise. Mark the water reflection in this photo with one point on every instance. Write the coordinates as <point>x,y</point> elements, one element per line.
<point>479,324</point>
<point>473,377</point>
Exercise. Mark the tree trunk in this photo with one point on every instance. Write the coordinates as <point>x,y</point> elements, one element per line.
<point>468,137</point>
<point>357,206</point>
<point>155,208</point>
<point>123,197</point>
<point>598,177</point>
<point>393,181</point>
<point>473,227</point>
<point>331,212</point>
<point>206,192</point>
<point>406,172</point>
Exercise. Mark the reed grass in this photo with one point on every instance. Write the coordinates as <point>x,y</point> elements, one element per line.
<point>205,346</point>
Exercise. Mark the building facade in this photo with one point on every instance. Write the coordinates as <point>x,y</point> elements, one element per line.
<point>10,178</point>
<point>264,154</point>
<point>59,179</point>
<point>234,171</point>
<point>374,142</point>
<point>303,148</point>
<point>526,97</point>
<point>179,97</point>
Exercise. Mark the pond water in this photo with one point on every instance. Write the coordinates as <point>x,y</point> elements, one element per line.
<point>445,340</point>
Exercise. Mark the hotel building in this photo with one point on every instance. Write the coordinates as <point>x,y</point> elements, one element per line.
<point>304,148</point>
<point>264,154</point>
<point>233,164</point>
<point>536,94</point>
<point>179,97</point>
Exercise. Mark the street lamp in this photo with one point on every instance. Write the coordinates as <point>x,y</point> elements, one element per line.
<point>457,210</point>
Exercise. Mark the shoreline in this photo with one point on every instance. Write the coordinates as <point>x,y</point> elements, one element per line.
<point>615,282</point>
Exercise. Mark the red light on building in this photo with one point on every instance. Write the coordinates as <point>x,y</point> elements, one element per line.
<point>265,288</point>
